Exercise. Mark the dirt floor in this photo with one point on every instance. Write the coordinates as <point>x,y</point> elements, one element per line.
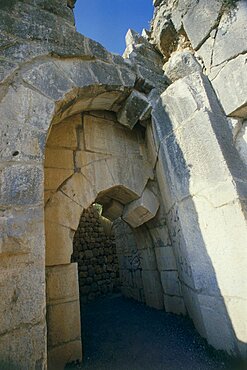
<point>121,334</point>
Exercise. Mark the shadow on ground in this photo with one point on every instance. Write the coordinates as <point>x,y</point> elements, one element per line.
<point>121,334</point>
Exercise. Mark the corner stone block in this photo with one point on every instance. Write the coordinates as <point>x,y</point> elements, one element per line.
<point>135,108</point>
<point>231,87</point>
<point>113,210</point>
<point>141,210</point>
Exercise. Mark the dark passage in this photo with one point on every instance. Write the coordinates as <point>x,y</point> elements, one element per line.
<point>122,334</point>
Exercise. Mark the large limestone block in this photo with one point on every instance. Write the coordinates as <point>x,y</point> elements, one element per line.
<point>31,344</point>
<point>220,228</point>
<point>54,177</point>
<point>84,158</point>
<point>126,174</point>
<point>230,86</point>
<point>64,134</point>
<point>153,289</point>
<point>170,283</point>
<point>134,109</point>
<point>27,107</point>
<point>174,304</point>
<point>63,354</point>
<point>59,158</point>
<point>22,296</point>
<point>63,210</point>
<point>232,27</point>
<point>113,210</point>
<point>148,259</point>
<point>187,96</point>
<point>218,323</point>
<point>106,101</point>
<point>192,305</point>
<point>80,72</point>
<point>199,19</point>
<point>181,64</point>
<point>142,210</point>
<point>63,322</point>
<point>104,136</point>
<point>59,244</point>
<point>19,141</point>
<point>62,283</point>
<point>19,230</point>
<point>48,79</point>
<point>21,184</point>
<point>80,190</point>
<point>165,258</point>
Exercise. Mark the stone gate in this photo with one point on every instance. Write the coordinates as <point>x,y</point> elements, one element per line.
<point>157,137</point>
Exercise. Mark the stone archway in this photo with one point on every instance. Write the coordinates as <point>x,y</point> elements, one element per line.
<point>90,157</point>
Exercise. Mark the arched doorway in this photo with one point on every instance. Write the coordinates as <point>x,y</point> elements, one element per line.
<point>90,158</point>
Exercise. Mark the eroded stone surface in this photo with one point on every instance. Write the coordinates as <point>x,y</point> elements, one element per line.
<point>142,210</point>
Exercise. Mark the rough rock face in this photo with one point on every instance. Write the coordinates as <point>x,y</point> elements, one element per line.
<point>158,137</point>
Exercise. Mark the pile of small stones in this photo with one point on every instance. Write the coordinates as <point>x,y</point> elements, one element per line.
<point>95,253</point>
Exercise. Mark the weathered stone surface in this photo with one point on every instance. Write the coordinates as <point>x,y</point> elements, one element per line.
<point>134,109</point>
<point>99,133</point>
<point>63,210</point>
<point>230,86</point>
<point>64,323</point>
<point>199,19</point>
<point>170,283</point>
<point>142,210</point>
<point>31,344</point>
<point>80,190</point>
<point>18,229</point>
<point>165,258</point>
<point>174,304</point>
<point>54,177</point>
<point>59,244</point>
<point>62,283</point>
<point>148,259</point>
<point>152,289</point>
<point>18,286</point>
<point>181,64</point>
<point>63,354</point>
<point>21,184</point>
<point>64,134</point>
<point>48,79</point>
<point>59,158</point>
<point>232,27</point>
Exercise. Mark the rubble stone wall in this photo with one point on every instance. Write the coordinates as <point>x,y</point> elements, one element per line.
<point>94,249</point>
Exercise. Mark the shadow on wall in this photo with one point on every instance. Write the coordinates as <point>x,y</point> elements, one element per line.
<point>189,230</point>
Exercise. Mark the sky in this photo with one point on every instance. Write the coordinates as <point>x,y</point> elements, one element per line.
<point>107,21</point>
